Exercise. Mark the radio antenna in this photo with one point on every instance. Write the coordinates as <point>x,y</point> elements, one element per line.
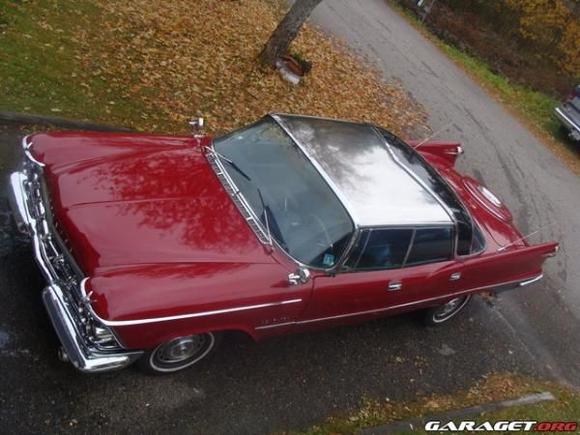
<point>427,139</point>
<point>503,248</point>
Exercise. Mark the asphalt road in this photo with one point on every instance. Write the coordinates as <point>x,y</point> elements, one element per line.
<point>539,189</point>
<point>294,382</point>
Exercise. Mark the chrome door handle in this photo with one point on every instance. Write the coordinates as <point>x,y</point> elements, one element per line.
<point>455,276</point>
<point>394,286</point>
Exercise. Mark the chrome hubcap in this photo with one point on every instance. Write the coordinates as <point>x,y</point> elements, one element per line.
<point>450,308</point>
<point>181,349</point>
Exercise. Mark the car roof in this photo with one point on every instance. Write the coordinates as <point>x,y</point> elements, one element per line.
<point>358,164</point>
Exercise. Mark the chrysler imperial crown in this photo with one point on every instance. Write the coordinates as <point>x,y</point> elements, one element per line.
<point>153,247</point>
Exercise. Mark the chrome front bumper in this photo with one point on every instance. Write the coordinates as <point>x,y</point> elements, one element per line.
<point>568,123</point>
<point>83,354</point>
<point>75,350</point>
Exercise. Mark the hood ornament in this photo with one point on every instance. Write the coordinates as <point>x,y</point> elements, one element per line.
<point>197,127</point>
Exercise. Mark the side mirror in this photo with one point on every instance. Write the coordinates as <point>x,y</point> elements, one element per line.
<point>301,276</point>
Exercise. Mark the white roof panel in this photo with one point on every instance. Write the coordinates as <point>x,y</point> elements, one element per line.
<point>356,161</point>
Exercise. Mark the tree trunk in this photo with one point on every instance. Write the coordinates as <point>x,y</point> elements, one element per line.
<point>286,31</point>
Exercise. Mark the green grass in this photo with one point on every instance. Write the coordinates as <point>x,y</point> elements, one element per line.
<point>373,413</point>
<point>40,69</point>
<point>535,106</point>
<point>565,408</point>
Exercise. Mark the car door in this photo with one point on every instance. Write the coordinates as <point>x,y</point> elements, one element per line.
<point>375,283</point>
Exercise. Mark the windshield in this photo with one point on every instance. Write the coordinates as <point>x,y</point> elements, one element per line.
<point>286,193</point>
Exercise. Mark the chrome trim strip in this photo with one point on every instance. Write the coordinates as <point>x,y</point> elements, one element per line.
<point>531,281</point>
<point>182,316</point>
<point>26,147</point>
<point>475,194</point>
<point>237,194</point>
<point>17,180</point>
<point>276,117</point>
<point>241,203</point>
<point>348,207</point>
<point>17,202</point>
<point>238,197</point>
<point>411,243</point>
<point>413,175</point>
<point>566,120</point>
<point>276,325</point>
<point>518,282</point>
<point>194,315</point>
<point>346,121</point>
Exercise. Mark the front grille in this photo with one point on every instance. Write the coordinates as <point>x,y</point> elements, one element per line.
<point>58,257</point>
<point>60,231</point>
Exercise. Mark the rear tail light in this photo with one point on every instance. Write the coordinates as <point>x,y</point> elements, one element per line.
<point>486,198</point>
<point>490,196</point>
<point>553,253</point>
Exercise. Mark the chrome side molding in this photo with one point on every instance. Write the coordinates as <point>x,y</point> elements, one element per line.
<point>531,280</point>
<point>505,285</point>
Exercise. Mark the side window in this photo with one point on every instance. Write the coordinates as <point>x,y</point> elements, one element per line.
<point>380,249</point>
<point>478,243</point>
<point>431,245</point>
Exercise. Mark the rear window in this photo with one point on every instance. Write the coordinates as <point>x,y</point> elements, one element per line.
<point>431,177</point>
<point>431,245</point>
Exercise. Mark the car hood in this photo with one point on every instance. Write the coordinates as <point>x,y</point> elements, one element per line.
<point>141,199</point>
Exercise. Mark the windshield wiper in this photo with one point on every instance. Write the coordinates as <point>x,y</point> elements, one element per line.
<point>265,212</point>
<point>233,165</point>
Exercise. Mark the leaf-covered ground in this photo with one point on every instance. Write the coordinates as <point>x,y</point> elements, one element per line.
<point>180,59</point>
<point>154,64</point>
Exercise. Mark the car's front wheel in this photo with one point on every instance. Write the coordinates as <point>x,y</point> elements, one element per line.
<point>179,353</point>
<point>443,313</point>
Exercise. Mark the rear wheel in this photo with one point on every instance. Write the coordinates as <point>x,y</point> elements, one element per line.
<point>443,313</point>
<point>179,353</point>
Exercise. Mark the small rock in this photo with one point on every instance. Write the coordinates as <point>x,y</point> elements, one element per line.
<point>4,339</point>
<point>445,350</point>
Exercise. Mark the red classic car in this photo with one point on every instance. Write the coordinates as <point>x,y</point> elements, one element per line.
<point>154,246</point>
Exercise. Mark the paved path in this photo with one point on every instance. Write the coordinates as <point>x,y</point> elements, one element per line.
<point>538,188</point>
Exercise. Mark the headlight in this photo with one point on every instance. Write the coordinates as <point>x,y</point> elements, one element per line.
<point>102,336</point>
